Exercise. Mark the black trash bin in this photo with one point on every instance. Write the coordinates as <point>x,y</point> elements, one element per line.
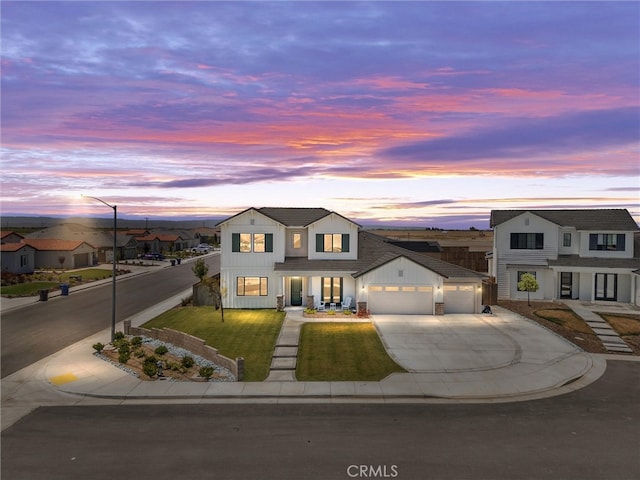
<point>64,289</point>
<point>173,263</point>
<point>44,295</point>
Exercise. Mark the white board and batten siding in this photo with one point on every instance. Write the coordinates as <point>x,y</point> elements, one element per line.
<point>401,287</point>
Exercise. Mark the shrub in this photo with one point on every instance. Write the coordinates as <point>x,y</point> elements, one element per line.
<point>118,336</point>
<point>98,347</point>
<point>138,352</point>
<point>187,361</point>
<point>205,372</point>
<point>161,350</point>
<point>124,348</point>
<point>136,341</point>
<point>151,359</point>
<point>149,368</point>
<point>123,357</point>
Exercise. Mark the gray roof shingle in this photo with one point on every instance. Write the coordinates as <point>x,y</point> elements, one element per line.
<point>588,219</point>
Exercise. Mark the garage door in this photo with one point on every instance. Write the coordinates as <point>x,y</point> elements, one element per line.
<point>459,298</point>
<point>401,299</point>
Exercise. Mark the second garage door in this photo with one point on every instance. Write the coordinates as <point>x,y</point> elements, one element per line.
<point>401,299</point>
<point>459,298</point>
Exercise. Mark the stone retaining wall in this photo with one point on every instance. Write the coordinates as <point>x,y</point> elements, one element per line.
<point>193,344</point>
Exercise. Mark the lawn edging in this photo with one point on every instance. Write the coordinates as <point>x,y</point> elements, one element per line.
<point>191,343</point>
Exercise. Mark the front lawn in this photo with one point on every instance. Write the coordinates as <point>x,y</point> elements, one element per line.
<point>334,351</point>
<point>26,289</point>
<point>251,334</point>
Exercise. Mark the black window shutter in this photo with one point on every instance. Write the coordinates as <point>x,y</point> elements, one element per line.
<point>593,241</point>
<point>620,242</point>
<point>235,242</point>
<point>345,242</point>
<point>268,242</point>
<point>319,242</point>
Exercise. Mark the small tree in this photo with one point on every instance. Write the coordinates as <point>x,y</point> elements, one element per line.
<point>528,283</point>
<point>213,284</point>
<point>200,269</point>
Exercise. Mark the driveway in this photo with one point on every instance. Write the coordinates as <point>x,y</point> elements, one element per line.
<point>464,342</point>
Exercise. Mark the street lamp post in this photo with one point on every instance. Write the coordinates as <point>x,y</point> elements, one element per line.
<point>113,275</point>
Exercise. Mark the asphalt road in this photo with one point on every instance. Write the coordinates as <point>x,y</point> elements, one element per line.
<point>590,434</point>
<point>36,331</point>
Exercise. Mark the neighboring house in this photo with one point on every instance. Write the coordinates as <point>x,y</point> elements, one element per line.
<point>101,239</point>
<point>49,252</point>
<point>18,258</point>
<point>574,254</point>
<point>276,257</point>
<point>11,237</point>
<point>162,243</point>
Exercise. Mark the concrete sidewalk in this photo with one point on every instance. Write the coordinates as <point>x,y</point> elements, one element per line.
<point>452,358</point>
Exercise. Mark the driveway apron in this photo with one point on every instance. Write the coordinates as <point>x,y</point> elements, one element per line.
<point>465,342</point>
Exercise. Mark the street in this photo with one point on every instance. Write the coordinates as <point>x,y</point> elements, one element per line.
<point>589,434</point>
<point>36,331</point>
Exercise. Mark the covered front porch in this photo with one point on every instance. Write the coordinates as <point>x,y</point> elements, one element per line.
<point>309,290</point>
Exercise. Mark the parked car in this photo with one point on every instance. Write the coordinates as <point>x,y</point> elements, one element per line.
<point>153,256</point>
<point>202,248</point>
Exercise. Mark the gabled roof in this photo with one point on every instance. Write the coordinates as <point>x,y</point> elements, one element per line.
<point>588,219</point>
<point>4,235</point>
<point>13,247</point>
<point>291,216</point>
<point>50,244</point>
<point>375,251</point>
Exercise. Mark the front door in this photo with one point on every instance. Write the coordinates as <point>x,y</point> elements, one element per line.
<point>566,280</point>
<point>606,286</point>
<point>296,291</point>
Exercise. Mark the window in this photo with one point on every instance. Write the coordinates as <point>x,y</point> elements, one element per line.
<point>24,260</point>
<point>566,239</point>
<point>252,242</point>
<point>252,286</point>
<point>606,241</point>
<point>332,289</point>
<point>296,240</point>
<point>332,242</point>
<point>527,241</point>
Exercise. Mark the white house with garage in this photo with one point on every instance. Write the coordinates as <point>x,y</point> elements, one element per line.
<point>574,254</point>
<point>279,257</point>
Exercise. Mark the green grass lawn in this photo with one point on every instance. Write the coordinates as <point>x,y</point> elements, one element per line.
<point>27,289</point>
<point>50,280</point>
<point>251,334</point>
<point>342,352</point>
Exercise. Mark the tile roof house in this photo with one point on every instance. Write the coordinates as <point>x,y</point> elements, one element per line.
<point>48,252</point>
<point>574,254</point>
<point>10,237</point>
<point>17,257</point>
<point>276,257</point>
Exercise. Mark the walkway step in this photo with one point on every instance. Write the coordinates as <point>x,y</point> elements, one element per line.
<point>283,363</point>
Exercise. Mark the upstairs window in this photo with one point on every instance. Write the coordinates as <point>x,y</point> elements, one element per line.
<point>566,239</point>
<point>296,240</point>
<point>527,241</point>
<point>607,241</point>
<point>332,242</point>
<point>252,242</point>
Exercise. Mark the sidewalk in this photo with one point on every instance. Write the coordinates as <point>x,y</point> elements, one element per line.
<point>521,361</point>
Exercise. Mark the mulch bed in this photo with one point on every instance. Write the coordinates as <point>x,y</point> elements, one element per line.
<point>588,342</point>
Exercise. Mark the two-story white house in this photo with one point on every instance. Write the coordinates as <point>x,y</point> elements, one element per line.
<point>574,254</point>
<point>277,257</point>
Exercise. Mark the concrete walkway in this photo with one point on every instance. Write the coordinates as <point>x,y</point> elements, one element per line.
<point>609,337</point>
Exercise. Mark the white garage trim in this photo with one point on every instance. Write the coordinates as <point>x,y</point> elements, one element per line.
<point>459,298</point>
<point>401,299</point>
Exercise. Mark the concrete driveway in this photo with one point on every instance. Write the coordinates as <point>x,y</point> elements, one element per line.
<point>466,343</point>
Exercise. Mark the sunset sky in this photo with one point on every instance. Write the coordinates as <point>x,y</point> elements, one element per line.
<point>416,113</point>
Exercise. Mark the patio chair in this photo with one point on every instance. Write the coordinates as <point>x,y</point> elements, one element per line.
<point>346,305</point>
<point>320,307</point>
